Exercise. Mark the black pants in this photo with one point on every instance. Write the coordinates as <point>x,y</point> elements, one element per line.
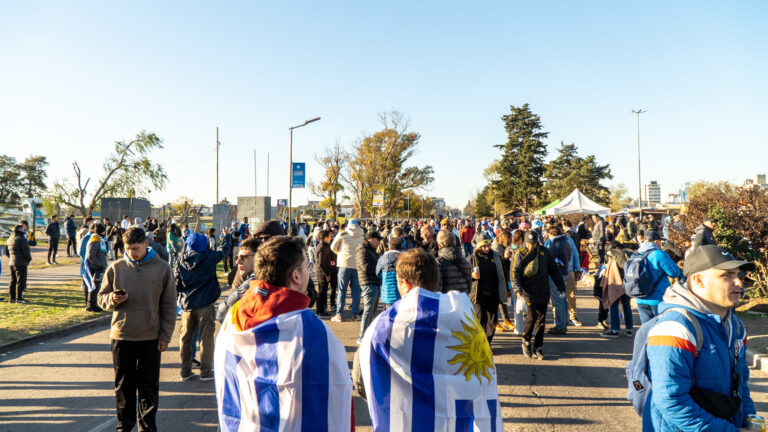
<point>601,253</point>
<point>487,312</point>
<point>71,243</point>
<point>535,319</point>
<point>602,313</point>
<point>18,282</point>
<point>137,367</point>
<point>92,296</point>
<point>229,263</point>
<point>322,292</point>
<point>333,285</point>
<point>53,249</point>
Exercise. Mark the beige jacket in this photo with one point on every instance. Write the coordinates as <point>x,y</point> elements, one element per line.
<point>150,311</point>
<point>345,244</point>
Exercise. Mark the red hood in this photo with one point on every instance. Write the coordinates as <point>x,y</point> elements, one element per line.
<point>263,301</point>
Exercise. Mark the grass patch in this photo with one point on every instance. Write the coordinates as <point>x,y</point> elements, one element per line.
<point>51,308</point>
<point>60,261</point>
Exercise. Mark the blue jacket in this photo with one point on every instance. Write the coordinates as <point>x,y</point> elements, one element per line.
<point>575,264</point>
<point>69,227</point>
<point>673,368</point>
<point>385,269</point>
<point>561,251</point>
<point>196,281</point>
<point>661,267</point>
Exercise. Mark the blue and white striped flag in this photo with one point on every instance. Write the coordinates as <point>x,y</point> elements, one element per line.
<point>289,373</point>
<point>427,366</point>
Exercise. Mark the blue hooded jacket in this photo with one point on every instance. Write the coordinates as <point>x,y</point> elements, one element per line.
<point>661,268</point>
<point>673,368</point>
<point>196,281</point>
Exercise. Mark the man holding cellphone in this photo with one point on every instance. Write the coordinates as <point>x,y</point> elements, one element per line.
<point>140,292</point>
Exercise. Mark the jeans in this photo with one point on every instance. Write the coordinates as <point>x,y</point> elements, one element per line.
<point>348,276</point>
<point>370,304</point>
<point>615,320</point>
<point>467,249</point>
<point>559,305</point>
<point>203,319</point>
<point>647,311</point>
<point>137,367</point>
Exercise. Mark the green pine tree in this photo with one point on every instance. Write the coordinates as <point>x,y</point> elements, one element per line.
<point>522,162</point>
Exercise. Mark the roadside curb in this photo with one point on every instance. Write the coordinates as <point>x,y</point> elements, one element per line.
<point>757,361</point>
<point>56,333</point>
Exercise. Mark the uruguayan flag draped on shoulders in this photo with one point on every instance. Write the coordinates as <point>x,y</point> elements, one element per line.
<point>90,279</point>
<point>289,373</point>
<point>427,366</point>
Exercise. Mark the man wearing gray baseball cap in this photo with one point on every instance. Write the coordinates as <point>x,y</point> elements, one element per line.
<point>697,350</point>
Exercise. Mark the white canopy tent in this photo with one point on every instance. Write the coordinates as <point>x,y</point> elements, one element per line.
<point>577,202</point>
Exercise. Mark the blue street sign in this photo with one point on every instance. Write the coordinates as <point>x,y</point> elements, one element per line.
<point>282,203</point>
<point>298,175</point>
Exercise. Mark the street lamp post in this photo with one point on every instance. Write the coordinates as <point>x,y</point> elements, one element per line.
<point>639,182</point>
<point>290,176</point>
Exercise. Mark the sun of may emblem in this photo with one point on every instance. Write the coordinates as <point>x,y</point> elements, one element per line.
<point>474,352</point>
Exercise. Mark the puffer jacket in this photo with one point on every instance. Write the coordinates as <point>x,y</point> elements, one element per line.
<point>233,298</point>
<point>366,264</point>
<point>455,274</point>
<point>385,270</point>
<point>196,281</point>
<point>703,235</point>
<point>345,244</point>
<point>18,250</point>
<point>535,289</point>
<point>673,368</point>
<point>661,268</point>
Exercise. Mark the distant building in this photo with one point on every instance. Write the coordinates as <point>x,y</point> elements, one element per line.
<point>653,192</point>
<point>758,181</point>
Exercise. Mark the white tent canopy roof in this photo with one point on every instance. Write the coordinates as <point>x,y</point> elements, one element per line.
<point>577,202</point>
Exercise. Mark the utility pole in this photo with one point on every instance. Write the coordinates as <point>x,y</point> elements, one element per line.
<point>217,164</point>
<point>267,174</point>
<point>255,187</point>
<point>639,181</point>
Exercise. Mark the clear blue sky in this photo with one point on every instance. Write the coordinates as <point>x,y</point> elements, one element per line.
<point>75,76</point>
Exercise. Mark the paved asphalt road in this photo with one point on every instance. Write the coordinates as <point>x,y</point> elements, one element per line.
<point>66,384</point>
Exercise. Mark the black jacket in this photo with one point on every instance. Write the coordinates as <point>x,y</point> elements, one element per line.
<point>455,273</point>
<point>18,250</point>
<point>703,236</point>
<point>431,247</point>
<point>196,280</point>
<point>69,227</point>
<point>323,260</point>
<point>535,289</point>
<point>53,231</point>
<point>366,258</point>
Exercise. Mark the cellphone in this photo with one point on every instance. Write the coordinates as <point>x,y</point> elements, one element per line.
<point>121,292</point>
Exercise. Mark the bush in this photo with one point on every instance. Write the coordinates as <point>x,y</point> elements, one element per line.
<point>742,226</point>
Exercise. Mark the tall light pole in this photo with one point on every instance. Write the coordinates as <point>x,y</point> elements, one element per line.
<point>290,175</point>
<point>218,144</point>
<point>639,182</point>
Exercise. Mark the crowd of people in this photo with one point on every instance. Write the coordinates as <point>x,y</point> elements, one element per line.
<point>429,297</point>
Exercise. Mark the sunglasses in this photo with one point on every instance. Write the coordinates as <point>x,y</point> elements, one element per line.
<point>244,257</point>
